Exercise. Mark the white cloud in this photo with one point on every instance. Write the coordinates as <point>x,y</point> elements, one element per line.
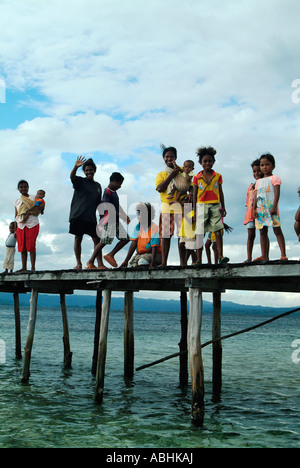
<point>116,79</point>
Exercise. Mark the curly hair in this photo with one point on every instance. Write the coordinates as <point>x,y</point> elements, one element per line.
<point>203,151</point>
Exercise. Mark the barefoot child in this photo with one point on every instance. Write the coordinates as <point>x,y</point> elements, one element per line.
<point>266,210</point>
<point>208,201</point>
<point>249,220</point>
<point>171,213</point>
<point>110,226</point>
<point>187,234</point>
<point>145,240</point>
<point>10,251</point>
<point>27,231</point>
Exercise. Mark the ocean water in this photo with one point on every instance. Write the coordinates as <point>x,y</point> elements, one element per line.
<point>259,405</point>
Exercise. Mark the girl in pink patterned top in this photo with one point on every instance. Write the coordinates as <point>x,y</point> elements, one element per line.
<point>249,220</point>
<point>266,210</point>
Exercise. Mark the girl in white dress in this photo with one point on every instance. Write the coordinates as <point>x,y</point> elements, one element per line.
<point>266,210</point>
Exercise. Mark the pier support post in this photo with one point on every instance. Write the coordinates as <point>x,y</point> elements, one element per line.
<point>17,325</point>
<point>66,339</point>
<point>97,330</point>
<point>30,335</point>
<point>195,355</point>
<point>217,347</point>
<point>128,335</point>
<point>100,372</point>
<point>183,357</point>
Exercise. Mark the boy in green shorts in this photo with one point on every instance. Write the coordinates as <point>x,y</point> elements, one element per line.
<point>208,201</point>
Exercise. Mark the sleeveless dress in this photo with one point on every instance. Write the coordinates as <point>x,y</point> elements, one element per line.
<point>265,188</point>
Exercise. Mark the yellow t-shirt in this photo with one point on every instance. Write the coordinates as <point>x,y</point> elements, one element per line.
<point>165,201</point>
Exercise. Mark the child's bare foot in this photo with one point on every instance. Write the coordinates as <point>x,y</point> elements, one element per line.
<point>90,266</point>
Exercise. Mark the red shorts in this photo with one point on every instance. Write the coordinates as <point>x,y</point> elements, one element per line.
<point>26,238</point>
<point>167,223</point>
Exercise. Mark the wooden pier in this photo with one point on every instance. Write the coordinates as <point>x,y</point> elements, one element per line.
<point>271,276</point>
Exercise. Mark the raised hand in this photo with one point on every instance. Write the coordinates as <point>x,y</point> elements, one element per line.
<point>80,161</point>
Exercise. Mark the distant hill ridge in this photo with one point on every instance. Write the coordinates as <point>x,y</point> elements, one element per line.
<point>117,303</point>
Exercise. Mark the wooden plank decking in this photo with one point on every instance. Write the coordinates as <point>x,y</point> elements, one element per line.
<point>271,276</point>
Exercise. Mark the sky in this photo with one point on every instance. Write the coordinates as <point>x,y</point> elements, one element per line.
<point>114,80</point>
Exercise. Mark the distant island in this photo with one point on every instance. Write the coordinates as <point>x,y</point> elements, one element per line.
<point>140,304</point>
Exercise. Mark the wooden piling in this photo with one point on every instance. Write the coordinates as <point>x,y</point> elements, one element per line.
<point>100,372</point>
<point>183,357</point>
<point>66,339</point>
<point>195,355</point>
<point>30,335</point>
<point>17,325</point>
<point>97,330</point>
<point>128,335</point>
<point>217,345</point>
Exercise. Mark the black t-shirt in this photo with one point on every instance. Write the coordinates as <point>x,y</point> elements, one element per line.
<point>86,198</point>
<point>110,197</point>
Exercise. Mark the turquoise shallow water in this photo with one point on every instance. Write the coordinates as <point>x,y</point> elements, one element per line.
<point>259,405</point>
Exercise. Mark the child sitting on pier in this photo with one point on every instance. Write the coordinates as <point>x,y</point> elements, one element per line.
<point>208,201</point>
<point>110,226</point>
<point>145,239</point>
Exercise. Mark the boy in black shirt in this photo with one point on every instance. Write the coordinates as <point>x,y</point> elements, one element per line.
<point>109,226</point>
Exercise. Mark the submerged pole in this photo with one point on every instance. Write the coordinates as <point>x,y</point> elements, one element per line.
<point>128,335</point>
<point>217,345</point>
<point>17,325</point>
<point>183,357</point>
<point>100,372</point>
<point>97,330</point>
<point>30,335</point>
<point>195,356</point>
<point>66,338</point>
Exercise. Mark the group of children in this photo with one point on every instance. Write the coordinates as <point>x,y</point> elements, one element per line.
<point>194,203</point>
